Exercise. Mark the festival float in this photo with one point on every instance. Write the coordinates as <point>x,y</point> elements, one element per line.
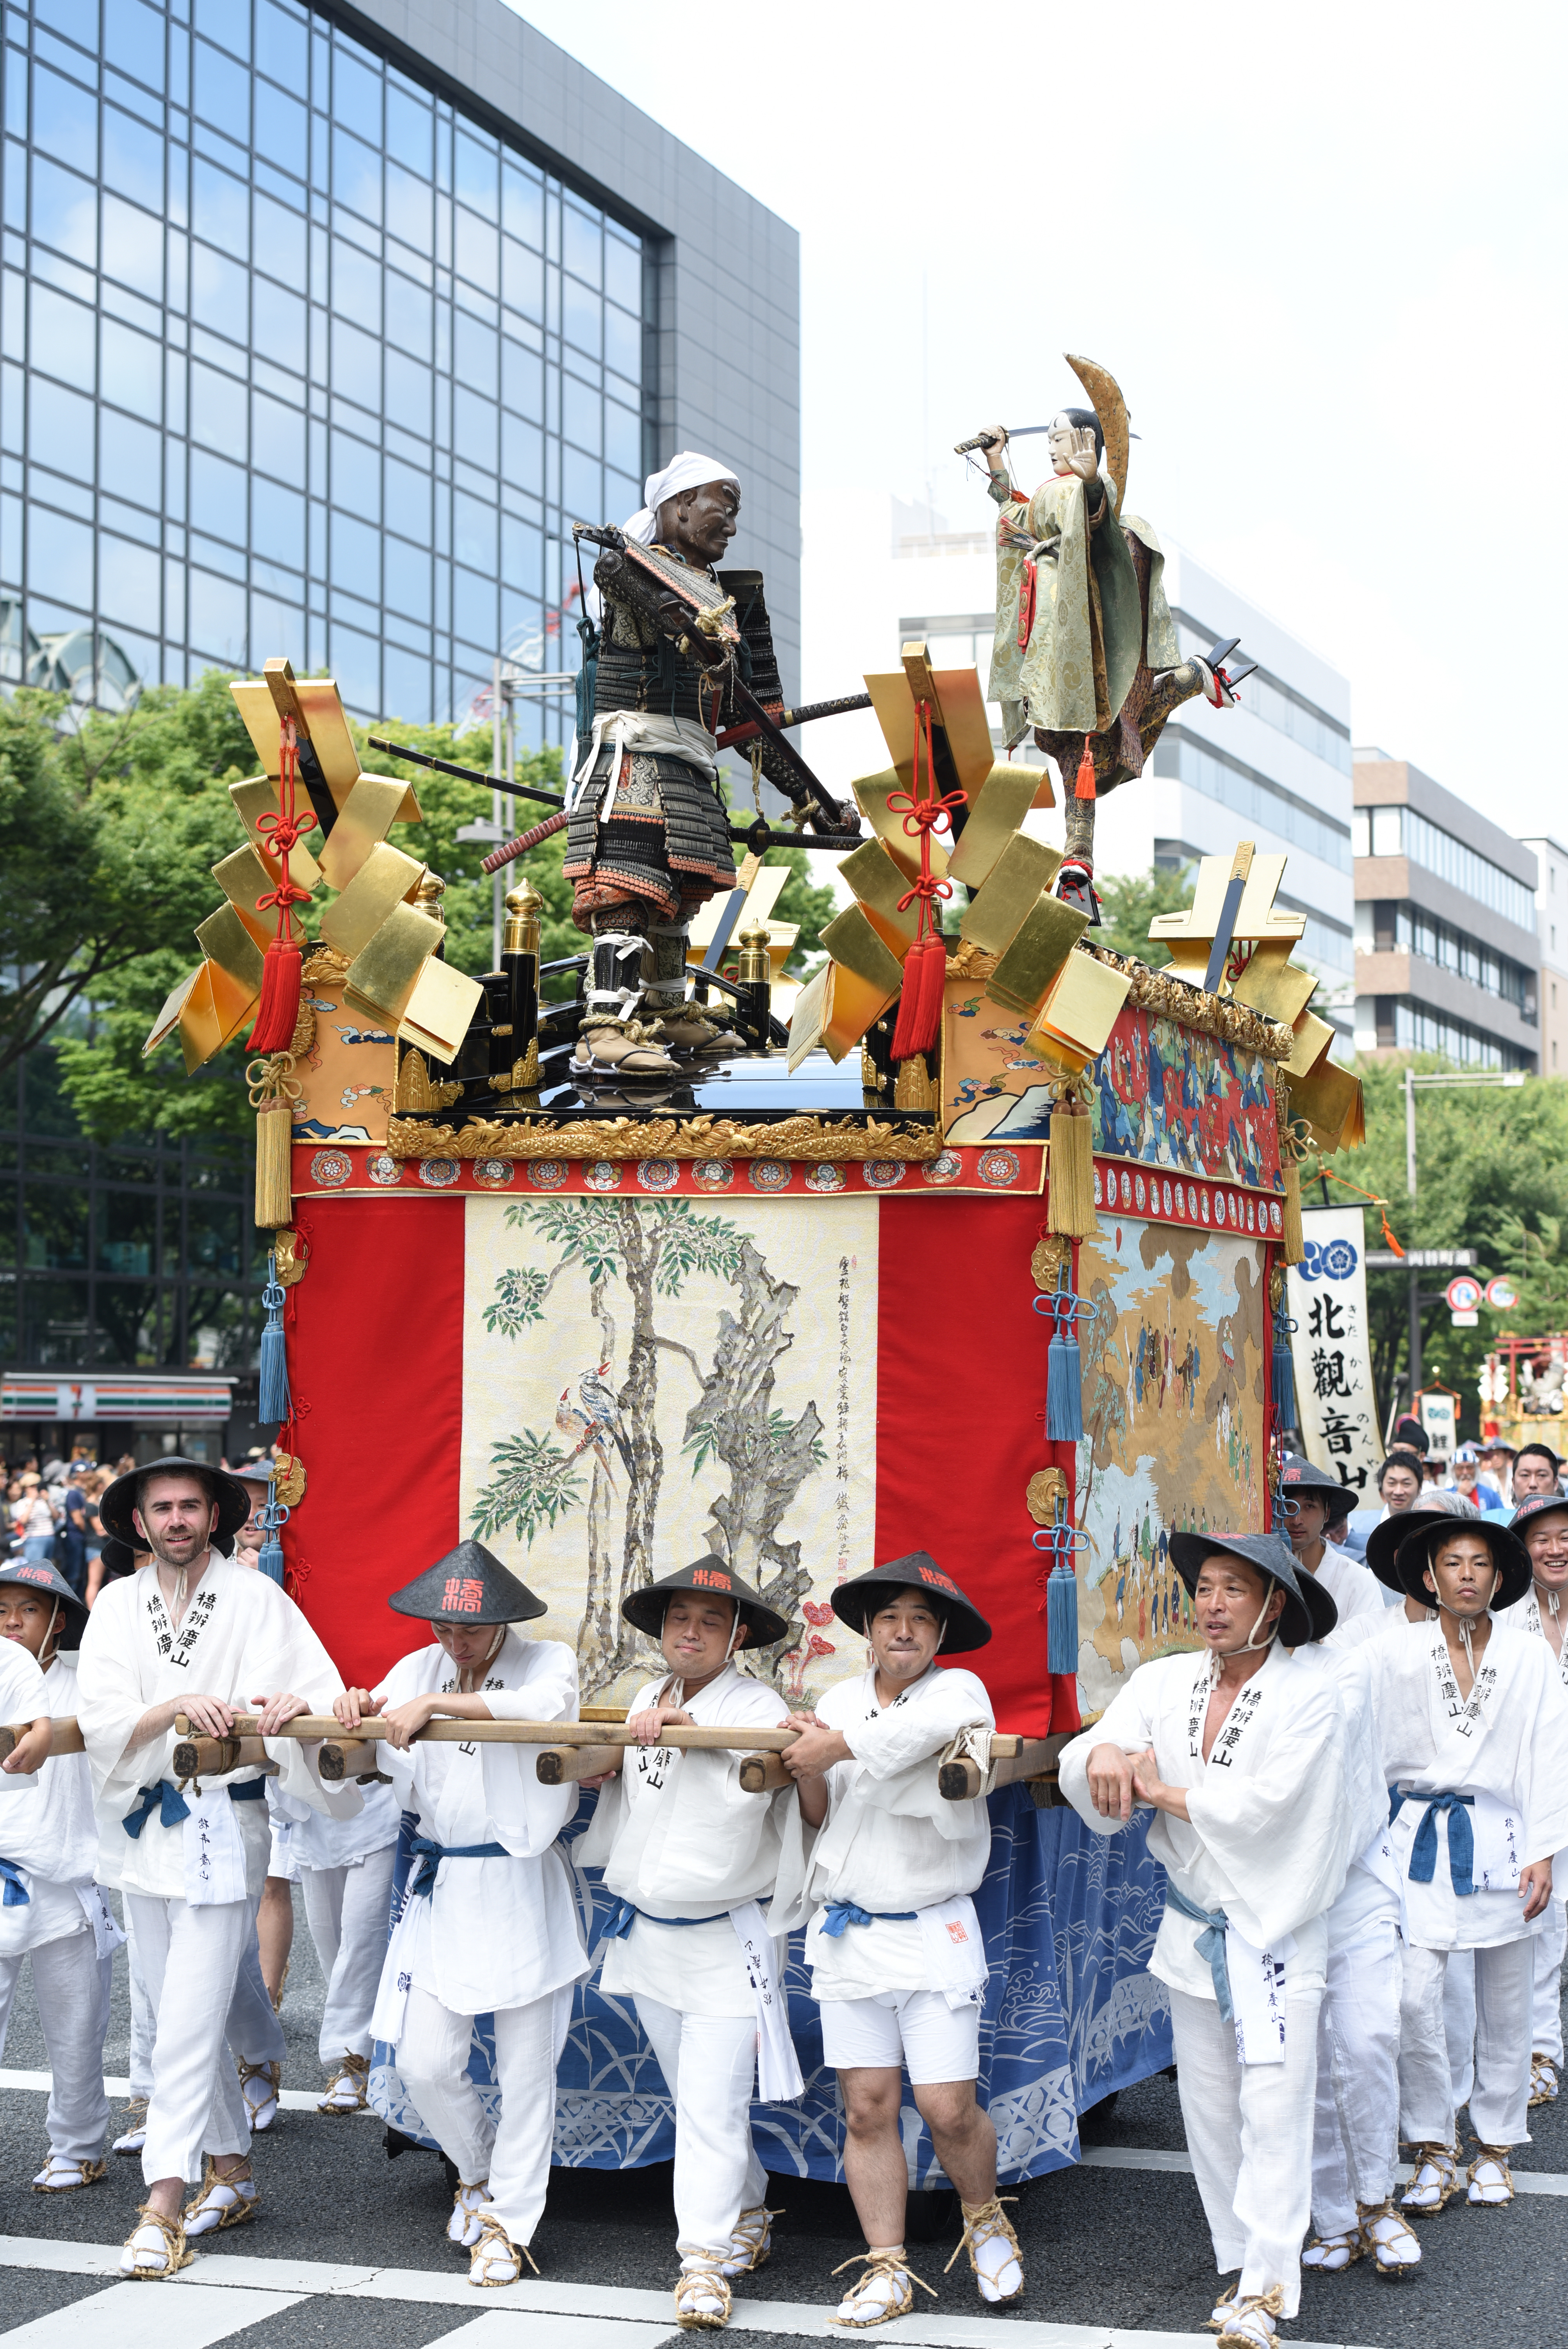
<point>982,1253</point>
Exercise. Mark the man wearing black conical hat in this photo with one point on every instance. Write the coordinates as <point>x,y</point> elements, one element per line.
<point>193,1633</point>
<point>691,1857</point>
<point>1242,1751</point>
<point>489,1925</point>
<point>56,1917</point>
<point>1474,1724</point>
<point>1540,1521</point>
<point>897,1957</point>
<point>1313,1500</point>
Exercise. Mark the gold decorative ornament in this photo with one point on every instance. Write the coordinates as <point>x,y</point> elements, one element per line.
<point>274,1094</point>
<point>1047,1488</point>
<point>289,1478</point>
<point>1045,1265</point>
<point>291,1264</point>
<point>820,1141</point>
<point>413,1089</point>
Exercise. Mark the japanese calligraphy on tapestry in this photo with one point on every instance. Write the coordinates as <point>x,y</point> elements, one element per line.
<point>647,1380</point>
<point>1330,1351</point>
<point>1174,1399</point>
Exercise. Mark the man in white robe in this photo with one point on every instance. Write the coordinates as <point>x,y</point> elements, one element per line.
<point>55,1916</point>
<point>345,1870</point>
<point>1241,1751</point>
<point>1474,1727</point>
<point>882,1884</point>
<point>488,1924</point>
<point>1540,1521</point>
<point>193,1633</point>
<point>691,1857</point>
<point>1313,1500</point>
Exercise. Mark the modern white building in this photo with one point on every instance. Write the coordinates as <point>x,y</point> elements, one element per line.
<point>1551,926</point>
<point>1275,770</point>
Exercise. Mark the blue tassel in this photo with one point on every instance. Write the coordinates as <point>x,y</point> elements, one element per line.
<point>1064,1372</point>
<point>1284,1374</point>
<point>274,1405</point>
<point>275,1517</point>
<point>1061,1619</point>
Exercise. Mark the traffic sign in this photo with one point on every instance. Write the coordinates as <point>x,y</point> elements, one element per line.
<point>1501,1294</point>
<point>1463,1293</point>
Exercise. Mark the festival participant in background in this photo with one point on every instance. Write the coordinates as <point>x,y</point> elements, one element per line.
<point>54,1912</point>
<point>1535,1471</point>
<point>1399,1480</point>
<point>1468,1482</point>
<point>488,1924</point>
<point>1495,1461</point>
<point>897,1957</point>
<point>1313,1500</point>
<point>193,1634</point>
<point>1243,1751</point>
<point>1474,1725</point>
<point>690,1857</point>
<point>345,1868</point>
<point>1541,1524</point>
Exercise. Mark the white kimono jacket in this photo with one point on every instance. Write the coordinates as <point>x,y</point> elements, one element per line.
<point>1354,1587</point>
<point>495,1933</point>
<point>1505,1746</point>
<point>677,1836</point>
<point>892,1844</point>
<point>1526,1617</point>
<point>52,1836</point>
<point>240,1637</point>
<point>1273,1828</point>
<point>313,1839</point>
<point>1372,1897</point>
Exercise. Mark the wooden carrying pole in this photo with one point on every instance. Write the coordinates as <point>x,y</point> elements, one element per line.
<point>214,1757</point>
<point>308,1726</point>
<point>1012,1758</point>
<point>761,1773</point>
<point>565,1765</point>
<point>67,1739</point>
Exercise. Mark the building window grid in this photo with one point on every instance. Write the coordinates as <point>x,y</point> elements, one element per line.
<point>1252,797</point>
<point>1288,712</point>
<point>1418,1029</point>
<point>462,271</point>
<point>1422,934</point>
<point>1403,832</point>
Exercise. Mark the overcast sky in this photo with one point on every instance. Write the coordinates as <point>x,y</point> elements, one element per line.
<point>1322,251</point>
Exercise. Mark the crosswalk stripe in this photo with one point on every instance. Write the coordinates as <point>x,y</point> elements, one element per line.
<point>137,2316</point>
<point>503,2331</point>
<point>1133,2157</point>
<point>293,2100</point>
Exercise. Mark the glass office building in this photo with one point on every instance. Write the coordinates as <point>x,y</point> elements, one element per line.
<point>298,357</point>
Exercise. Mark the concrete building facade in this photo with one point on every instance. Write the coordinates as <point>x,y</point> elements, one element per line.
<point>1551,933</point>
<point>1448,958</point>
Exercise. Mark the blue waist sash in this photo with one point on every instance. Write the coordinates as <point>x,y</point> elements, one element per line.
<point>16,1895</point>
<point>624,1915</point>
<point>1211,1944</point>
<point>430,1855</point>
<point>171,1807</point>
<point>839,1913</point>
<point>1424,1849</point>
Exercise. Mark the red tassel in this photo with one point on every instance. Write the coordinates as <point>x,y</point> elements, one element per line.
<point>1083,788</point>
<point>278,1011</point>
<point>920,1006</point>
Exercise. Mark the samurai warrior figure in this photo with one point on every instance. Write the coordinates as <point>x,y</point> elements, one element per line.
<point>683,650</point>
<point>1086,653</point>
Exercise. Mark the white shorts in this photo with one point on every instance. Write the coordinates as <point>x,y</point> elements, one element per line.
<point>915,2029</point>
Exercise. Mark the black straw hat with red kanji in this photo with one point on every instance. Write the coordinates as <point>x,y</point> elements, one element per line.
<point>469,1585</point>
<point>1299,1477</point>
<point>1420,1545</point>
<point>1309,1611</point>
<point>44,1582</point>
<point>856,1601</point>
<point>120,1498</point>
<point>710,1578</point>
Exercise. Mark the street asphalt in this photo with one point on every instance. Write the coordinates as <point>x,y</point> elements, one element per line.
<point>1103,2246</point>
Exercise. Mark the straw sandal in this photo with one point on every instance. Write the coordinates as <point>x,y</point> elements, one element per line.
<point>211,2213</point>
<point>1250,2323</point>
<point>156,2249</point>
<point>497,2260</point>
<point>1215,2321</point>
<point>464,2225</point>
<point>59,2176</point>
<point>1332,2254</point>
<point>135,2133</point>
<point>1488,2192</point>
<point>1393,2244</point>
<point>1544,2081</point>
<point>751,2245</point>
<point>1435,2183</point>
<point>703,2299</point>
<point>881,2293</point>
<point>993,2249</point>
<point>346,2090</point>
<point>259,2085</point>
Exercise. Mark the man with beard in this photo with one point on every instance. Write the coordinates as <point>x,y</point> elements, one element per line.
<point>193,1633</point>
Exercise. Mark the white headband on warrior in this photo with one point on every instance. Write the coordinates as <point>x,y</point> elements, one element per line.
<point>686,472</point>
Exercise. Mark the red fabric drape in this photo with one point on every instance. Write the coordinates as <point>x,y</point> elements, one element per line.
<point>375,1363</point>
<point>960,1400</point>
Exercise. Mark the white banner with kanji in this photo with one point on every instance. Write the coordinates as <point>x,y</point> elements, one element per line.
<point>1336,1410</point>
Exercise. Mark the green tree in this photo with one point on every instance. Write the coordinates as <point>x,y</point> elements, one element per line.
<point>1130,901</point>
<point>1492,1174</point>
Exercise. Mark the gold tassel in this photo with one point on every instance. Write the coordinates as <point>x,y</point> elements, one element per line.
<point>1070,1201</point>
<point>1293,1242</point>
<point>273,1096</point>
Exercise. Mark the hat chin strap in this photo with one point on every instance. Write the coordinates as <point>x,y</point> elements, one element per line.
<point>1553,1600</point>
<point>1252,1645</point>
